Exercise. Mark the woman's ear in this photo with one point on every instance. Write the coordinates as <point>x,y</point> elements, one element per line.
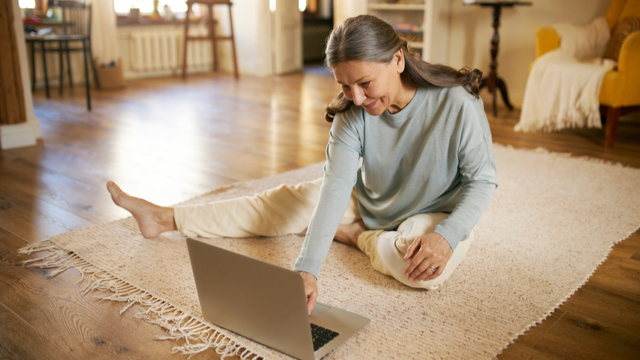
<point>398,58</point>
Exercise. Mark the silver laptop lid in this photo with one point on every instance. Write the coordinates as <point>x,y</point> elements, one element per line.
<point>260,301</point>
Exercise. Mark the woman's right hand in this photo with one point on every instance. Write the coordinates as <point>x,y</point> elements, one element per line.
<point>310,290</point>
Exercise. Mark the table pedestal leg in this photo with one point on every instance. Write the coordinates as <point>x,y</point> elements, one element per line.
<point>492,81</point>
<point>499,85</point>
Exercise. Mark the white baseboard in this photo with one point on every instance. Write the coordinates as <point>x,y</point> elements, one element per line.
<point>18,135</point>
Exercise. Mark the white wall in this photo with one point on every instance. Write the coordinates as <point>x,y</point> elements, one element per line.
<point>343,9</point>
<point>470,35</point>
<point>251,25</point>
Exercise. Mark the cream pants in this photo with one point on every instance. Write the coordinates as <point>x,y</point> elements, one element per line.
<point>287,209</point>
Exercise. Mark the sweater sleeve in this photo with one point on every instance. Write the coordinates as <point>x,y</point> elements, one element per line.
<point>340,173</point>
<point>477,168</point>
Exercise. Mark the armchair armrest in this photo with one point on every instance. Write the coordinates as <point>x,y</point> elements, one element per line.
<point>628,68</point>
<point>547,39</point>
<point>630,56</point>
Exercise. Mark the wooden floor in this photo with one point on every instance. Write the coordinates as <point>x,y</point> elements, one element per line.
<point>168,140</point>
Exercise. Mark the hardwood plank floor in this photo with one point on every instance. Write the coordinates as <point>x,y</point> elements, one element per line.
<point>169,140</point>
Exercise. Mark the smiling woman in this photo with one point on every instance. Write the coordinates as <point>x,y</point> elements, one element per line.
<point>409,170</point>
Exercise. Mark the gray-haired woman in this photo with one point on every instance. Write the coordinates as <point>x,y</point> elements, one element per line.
<point>410,168</point>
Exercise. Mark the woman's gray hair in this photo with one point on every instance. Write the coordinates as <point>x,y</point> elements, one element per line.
<point>363,37</point>
<point>367,38</point>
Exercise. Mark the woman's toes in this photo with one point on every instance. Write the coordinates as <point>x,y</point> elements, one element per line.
<point>115,192</point>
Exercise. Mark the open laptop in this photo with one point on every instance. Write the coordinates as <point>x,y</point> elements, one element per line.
<point>266,303</point>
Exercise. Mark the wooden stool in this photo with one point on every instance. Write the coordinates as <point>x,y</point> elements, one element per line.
<point>210,36</point>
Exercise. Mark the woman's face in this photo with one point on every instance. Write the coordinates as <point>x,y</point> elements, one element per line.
<point>374,86</point>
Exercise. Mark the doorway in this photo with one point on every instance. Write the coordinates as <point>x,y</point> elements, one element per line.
<point>317,24</point>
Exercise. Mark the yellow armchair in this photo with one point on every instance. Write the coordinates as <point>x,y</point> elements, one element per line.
<point>620,92</point>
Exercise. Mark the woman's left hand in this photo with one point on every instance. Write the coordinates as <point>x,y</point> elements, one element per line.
<point>427,252</point>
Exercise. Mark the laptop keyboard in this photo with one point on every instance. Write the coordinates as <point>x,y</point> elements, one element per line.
<point>321,336</point>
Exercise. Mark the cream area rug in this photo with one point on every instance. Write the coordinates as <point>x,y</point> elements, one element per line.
<point>552,221</point>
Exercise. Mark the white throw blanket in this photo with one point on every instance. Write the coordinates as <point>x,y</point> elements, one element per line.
<point>564,85</point>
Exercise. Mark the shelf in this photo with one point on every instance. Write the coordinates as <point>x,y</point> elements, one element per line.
<point>423,23</point>
<point>396,7</point>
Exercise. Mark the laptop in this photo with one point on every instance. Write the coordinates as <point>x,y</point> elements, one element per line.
<point>266,303</point>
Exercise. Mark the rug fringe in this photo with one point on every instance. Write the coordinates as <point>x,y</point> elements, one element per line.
<point>180,326</point>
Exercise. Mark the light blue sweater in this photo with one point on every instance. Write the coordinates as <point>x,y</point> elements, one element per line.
<point>435,155</point>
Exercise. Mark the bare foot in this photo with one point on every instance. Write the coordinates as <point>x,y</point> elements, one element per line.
<point>348,233</point>
<point>152,219</point>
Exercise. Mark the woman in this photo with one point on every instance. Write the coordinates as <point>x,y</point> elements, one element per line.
<point>427,168</point>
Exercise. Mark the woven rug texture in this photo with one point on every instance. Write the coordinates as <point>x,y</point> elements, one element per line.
<point>552,221</point>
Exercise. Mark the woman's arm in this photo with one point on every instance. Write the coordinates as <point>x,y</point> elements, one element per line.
<point>333,200</point>
<point>476,167</point>
<point>339,178</point>
<point>340,173</point>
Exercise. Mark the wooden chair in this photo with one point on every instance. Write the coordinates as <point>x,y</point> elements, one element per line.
<point>211,23</point>
<point>76,28</point>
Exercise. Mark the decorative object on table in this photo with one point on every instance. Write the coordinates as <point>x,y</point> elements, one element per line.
<point>563,86</point>
<point>134,15</point>
<point>211,35</point>
<point>27,8</point>
<point>53,15</point>
<point>551,222</point>
<point>492,81</point>
<point>28,18</point>
<point>620,90</point>
<point>76,28</point>
<point>168,15</point>
<point>155,15</point>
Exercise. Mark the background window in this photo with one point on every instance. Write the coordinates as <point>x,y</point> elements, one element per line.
<point>146,6</point>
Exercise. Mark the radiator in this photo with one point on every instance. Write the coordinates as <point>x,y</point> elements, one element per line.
<point>160,49</point>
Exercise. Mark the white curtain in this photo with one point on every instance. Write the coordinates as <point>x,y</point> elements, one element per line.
<point>104,41</point>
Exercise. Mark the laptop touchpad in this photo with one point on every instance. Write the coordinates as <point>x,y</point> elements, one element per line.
<point>319,310</point>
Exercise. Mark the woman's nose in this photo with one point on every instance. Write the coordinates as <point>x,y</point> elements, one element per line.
<point>358,97</point>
